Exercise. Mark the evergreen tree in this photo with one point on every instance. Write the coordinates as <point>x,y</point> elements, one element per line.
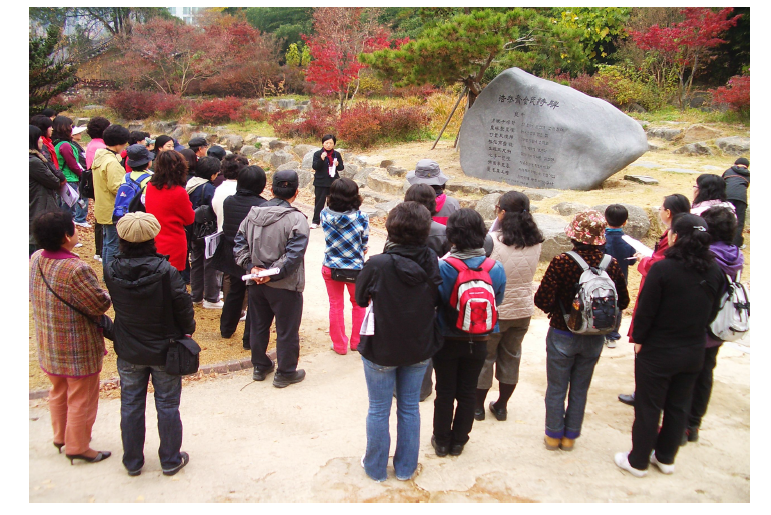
<point>48,76</point>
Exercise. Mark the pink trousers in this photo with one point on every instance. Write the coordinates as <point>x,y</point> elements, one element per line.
<point>336,292</point>
<point>73,402</point>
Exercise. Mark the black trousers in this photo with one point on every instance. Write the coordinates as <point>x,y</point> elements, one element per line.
<point>286,306</point>
<point>231,310</point>
<point>664,380</point>
<point>702,390</point>
<point>98,238</point>
<point>457,366</point>
<point>321,199</point>
<point>741,213</point>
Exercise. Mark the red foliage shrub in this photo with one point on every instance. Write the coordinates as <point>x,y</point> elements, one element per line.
<point>317,120</point>
<point>364,125</point>
<point>218,110</point>
<point>402,123</point>
<point>594,87</point>
<point>167,105</point>
<point>132,104</point>
<point>424,91</point>
<point>736,93</point>
<point>254,113</point>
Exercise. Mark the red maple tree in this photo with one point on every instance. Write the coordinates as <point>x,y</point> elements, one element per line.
<point>685,46</point>
<point>341,34</point>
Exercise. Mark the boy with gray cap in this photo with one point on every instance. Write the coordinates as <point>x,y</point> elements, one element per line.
<point>275,235</point>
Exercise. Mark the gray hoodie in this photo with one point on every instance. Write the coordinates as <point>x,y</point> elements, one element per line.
<point>274,234</point>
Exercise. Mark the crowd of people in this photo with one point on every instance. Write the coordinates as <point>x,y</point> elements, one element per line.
<point>446,297</point>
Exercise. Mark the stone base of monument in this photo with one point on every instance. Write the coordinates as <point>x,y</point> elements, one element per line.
<point>642,179</point>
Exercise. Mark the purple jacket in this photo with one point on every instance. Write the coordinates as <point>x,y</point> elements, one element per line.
<point>731,261</point>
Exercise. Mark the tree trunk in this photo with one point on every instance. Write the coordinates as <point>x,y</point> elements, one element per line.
<point>449,117</point>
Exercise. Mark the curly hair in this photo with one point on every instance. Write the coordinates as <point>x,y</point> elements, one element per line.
<point>692,244</point>
<point>232,164</point>
<point>344,196</point>
<point>96,126</point>
<point>423,194</point>
<point>721,223</point>
<point>518,227</point>
<point>408,224</point>
<point>711,187</point>
<point>170,170</point>
<point>466,229</point>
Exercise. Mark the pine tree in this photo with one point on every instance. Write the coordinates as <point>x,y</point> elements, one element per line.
<point>48,77</point>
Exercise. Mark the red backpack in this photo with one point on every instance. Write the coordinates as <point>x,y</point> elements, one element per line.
<point>473,297</point>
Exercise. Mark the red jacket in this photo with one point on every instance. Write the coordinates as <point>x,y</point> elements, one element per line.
<point>174,211</point>
<point>645,265</point>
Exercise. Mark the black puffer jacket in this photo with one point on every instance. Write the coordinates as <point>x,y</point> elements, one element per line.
<point>137,292</point>
<point>234,209</point>
<point>43,189</point>
<point>403,284</point>
<point>737,180</point>
<point>320,166</point>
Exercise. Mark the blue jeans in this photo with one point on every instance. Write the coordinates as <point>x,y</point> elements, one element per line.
<point>109,244</point>
<point>380,387</point>
<point>570,361</point>
<point>133,396</point>
<point>78,211</point>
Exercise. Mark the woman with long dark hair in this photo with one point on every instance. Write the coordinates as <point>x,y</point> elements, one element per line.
<point>68,155</point>
<point>43,183</point>
<point>672,205</point>
<point>46,126</point>
<point>709,191</point>
<point>166,198</point>
<point>680,298</point>
<point>517,245</point>
<point>346,235</point>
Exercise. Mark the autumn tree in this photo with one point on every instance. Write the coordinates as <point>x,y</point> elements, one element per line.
<point>683,47</point>
<point>49,74</point>
<point>341,35</point>
<point>600,29</point>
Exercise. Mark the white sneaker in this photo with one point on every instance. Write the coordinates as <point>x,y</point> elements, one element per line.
<point>98,258</point>
<point>82,224</point>
<point>78,245</point>
<point>242,318</point>
<point>622,460</point>
<point>611,344</point>
<point>664,468</point>
<point>314,226</point>
<point>212,305</point>
<point>222,295</point>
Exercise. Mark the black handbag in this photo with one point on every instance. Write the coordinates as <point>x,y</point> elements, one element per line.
<point>103,322</point>
<point>205,222</point>
<point>345,275</point>
<point>182,356</point>
<point>86,184</point>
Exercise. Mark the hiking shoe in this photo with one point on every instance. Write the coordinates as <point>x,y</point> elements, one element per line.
<point>441,450</point>
<point>185,459</point>
<point>479,414</point>
<point>314,226</point>
<point>664,468</point>
<point>622,460</point>
<point>284,380</point>
<point>567,444</point>
<point>551,444</point>
<point>260,375</point>
<point>456,449</point>
<point>212,305</point>
<point>500,414</point>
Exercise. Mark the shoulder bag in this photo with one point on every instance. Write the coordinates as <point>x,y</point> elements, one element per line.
<point>182,356</point>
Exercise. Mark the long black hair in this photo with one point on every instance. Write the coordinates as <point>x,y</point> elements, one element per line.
<point>692,245</point>
<point>677,203</point>
<point>711,187</point>
<point>62,129</point>
<point>34,137</point>
<point>518,227</point>
<point>251,178</point>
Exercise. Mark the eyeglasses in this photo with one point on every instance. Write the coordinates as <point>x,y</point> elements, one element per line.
<point>497,208</point>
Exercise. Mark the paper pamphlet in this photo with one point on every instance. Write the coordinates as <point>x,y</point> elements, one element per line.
<point>211,243</point>
<point>69,195</point>
<point>496,225</point>
<point>264,273</point>
<point>368,323</point>
<point>638,246</point>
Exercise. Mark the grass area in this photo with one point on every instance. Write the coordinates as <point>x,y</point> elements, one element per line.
<point>674,114</point>
<point>251,127</point>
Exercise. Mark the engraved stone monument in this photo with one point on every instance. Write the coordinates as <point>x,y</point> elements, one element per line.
<point>532,132</point>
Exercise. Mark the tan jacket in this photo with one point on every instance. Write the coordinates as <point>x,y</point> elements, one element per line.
<point>108,175</point>
<point>520,265</point>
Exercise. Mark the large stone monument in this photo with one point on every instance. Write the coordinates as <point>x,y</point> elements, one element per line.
<point>532,132</point>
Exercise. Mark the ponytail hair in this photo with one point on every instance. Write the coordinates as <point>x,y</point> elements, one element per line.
<point>518,227</point>
<point>693,240</point>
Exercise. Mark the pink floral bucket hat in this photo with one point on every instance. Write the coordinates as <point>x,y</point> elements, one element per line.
<point>587,227</point>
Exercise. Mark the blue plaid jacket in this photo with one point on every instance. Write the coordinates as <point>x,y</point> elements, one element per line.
<point>346,236</point>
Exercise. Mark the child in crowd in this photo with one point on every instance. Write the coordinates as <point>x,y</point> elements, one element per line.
<point>616,215</point>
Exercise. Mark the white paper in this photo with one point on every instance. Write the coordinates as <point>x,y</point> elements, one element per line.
<point>495,226</point>
<point>211,243</point>
<point>332,171</point>
<point>264,273</point>
<point>69,195</point>
<point>638,245</point>
<point>368,323</point>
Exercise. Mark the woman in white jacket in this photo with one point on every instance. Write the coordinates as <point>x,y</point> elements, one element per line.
<point>517,245</point>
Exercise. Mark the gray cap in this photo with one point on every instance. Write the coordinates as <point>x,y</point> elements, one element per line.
<point>427,172</point>
<point>197,142</point>
<point>138,155</point>
<point>285,178</point>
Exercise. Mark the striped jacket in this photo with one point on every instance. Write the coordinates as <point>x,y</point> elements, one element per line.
<point>68,344</point>
<point>346,236</point>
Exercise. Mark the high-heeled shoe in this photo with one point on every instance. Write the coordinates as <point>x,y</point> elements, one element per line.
<point>59,446</point>
<point>100,455</point>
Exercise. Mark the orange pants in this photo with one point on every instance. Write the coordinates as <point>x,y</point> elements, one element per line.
<point>73,402</point>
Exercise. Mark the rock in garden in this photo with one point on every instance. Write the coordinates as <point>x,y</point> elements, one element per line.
<point>361,177</point>
<point>262,155</point>
<point>486,189</point>
<point>361,161</point>
<point>396,171</point>
<point>233,141</point>
<point>698,132</point>
<point>534,132</point>
<point>664,133</point>
<point>386,163</point>
<point>694,149</point>
<point>92,107</point>
<point>303,149</point>
<point>375,197</point>
<point>553,230</point>
<point>308,159</point>
<point>540,194</point>
<point>349,171</point>
<point>638,225</point>
<point>286,103</point>
<point>163,127</point>
<point>82,122</point>
<point>467,188</point>
<point>132,126</point>
<point>373,212</point>
<point>277,144</point>
<point>645,164</point>
<point>641,179</point>
<point>305,177</point>
<point>680,170</point>
<point>388,206</point>
<point>205,135</point>
<point>486,205</point>
<point>280,157</point>
<point>248,150</point>
<point>569,208</point>
<point>653,148</point>
<point>734,145</point>
<point>291,165</point>
<point>379,181</point>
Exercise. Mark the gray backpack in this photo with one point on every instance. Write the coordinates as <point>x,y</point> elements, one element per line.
<point>594,310</point>
<point>733,319</point>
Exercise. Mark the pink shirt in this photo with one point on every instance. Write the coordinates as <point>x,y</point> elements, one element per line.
<point>93,145</point>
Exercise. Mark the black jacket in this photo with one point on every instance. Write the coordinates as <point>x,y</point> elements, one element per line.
<point>234,209</point>
<point>403,283</point>
<point>737,180</point>
<point>43,189</point>
<point>136,288</point>
<point>321,166</point>
<point>676,304</point>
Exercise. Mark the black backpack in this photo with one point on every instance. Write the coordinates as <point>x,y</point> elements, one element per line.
<point>205,221</point>
<point>86,184</point>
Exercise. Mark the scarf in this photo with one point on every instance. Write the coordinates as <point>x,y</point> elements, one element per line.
<point>466,254</point>
<point>330,156</point>
<point>50,146</point>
